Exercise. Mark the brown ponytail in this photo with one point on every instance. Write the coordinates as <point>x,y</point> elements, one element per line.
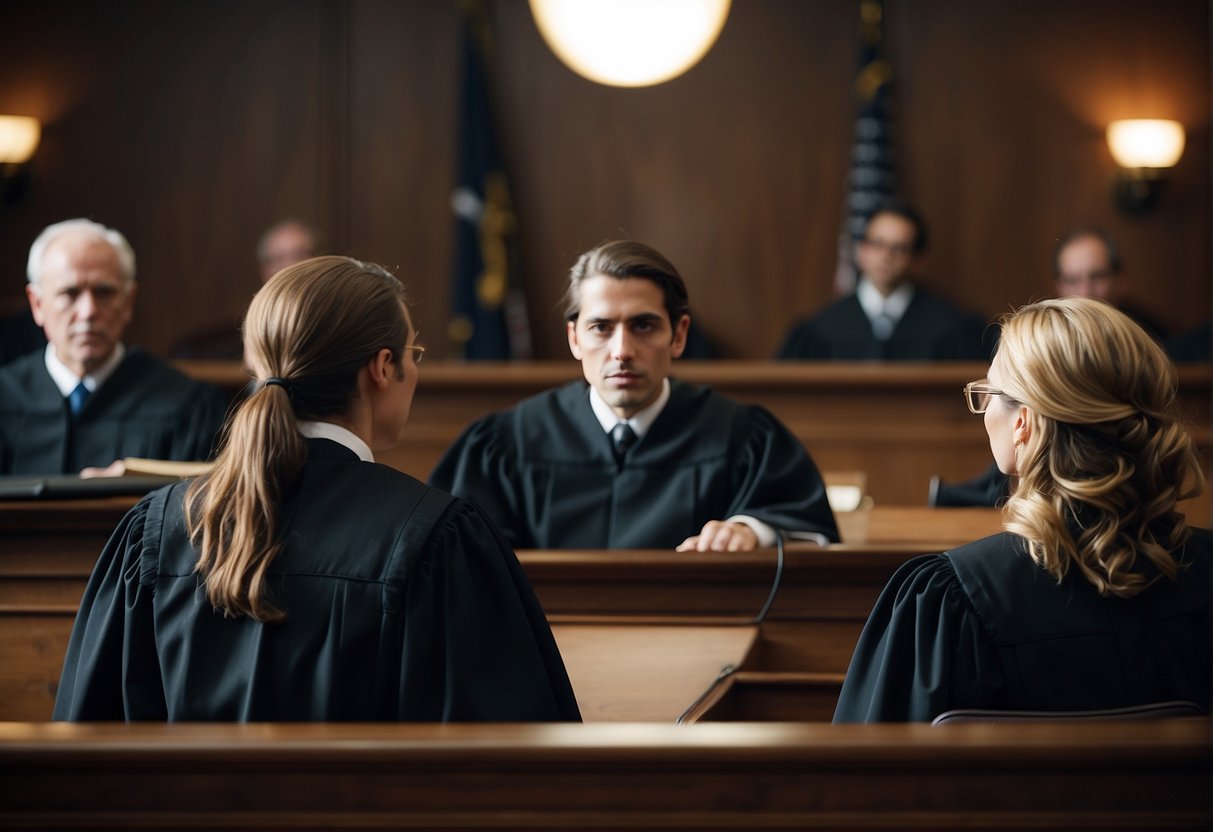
<point>307,333</point>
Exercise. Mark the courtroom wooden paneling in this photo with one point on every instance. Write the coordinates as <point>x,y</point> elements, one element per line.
<point>620,777</point>
<point>33,639</point>
<point>345,112</point>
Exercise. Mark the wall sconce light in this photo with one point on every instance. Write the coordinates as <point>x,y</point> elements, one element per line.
<point>18,140</point>
<point>1145,149</point>
<point>630,43</point>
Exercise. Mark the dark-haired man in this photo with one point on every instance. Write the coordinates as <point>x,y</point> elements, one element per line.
<point>888,318</point>
<point>635,459</point>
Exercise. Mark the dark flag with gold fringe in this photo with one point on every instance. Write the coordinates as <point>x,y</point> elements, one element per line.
<point>488,313</point>
<point>871,179</point>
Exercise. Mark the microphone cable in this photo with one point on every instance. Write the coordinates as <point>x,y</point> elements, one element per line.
<point>729,669</point>
<point>778,579</point>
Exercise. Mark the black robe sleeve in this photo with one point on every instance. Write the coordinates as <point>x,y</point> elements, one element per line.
<point>111,670</point>
<point>923,651</point>
<point>776,481</point>
<point>477,646</point>
<point>482,466</point>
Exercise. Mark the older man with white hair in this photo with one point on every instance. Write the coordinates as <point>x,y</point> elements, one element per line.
<point>87,400</point>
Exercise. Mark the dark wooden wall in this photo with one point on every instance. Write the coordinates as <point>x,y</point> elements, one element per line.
<point>191,126</point>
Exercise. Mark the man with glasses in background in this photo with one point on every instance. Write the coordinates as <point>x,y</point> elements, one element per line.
<point>888,318</point>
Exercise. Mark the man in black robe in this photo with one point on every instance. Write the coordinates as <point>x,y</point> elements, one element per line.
<point>283,244</point>
<point>86,401</point>
<point>887,317</point>
<point>635,460</point>
<point>1087,264</point>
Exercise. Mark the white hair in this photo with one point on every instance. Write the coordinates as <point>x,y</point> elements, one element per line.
<point>126,255</point>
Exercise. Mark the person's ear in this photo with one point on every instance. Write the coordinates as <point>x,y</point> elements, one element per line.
<point>381,369</point>
<point>35,304</point>
<point>1021,432</point>
<point>679,344</point>
<point>574,344</point>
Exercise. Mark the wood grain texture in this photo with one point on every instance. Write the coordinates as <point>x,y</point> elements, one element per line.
<point>192,127</point>
<point>635,777</point>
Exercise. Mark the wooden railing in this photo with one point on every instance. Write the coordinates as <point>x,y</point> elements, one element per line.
<point>636,777</point>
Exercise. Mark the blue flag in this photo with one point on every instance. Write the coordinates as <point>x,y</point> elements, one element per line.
<point>871,179</point>
<point>488,314</point>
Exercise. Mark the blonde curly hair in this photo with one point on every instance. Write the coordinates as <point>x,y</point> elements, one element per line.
<point>1107,458</point>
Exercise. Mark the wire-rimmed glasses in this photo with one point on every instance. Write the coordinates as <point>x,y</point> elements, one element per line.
<point>978,395</point>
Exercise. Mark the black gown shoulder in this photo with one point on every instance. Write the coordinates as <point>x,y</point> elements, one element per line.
<point>547,475</point>
<point>983,626</point>
<point>401,603</point>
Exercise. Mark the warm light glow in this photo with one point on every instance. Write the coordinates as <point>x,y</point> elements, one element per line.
<point>1146,143</point>
<point>630,43</point>
<point>18,138</point>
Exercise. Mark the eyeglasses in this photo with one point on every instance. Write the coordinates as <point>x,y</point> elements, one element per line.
<point>417,348</point>
<point>896,249</point>
<point>978,395</point>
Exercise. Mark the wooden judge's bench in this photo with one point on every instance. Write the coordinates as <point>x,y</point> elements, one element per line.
<point>899,423</point>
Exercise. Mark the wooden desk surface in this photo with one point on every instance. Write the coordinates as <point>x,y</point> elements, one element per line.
<point>880,524</point>
<point>934,529</point>
<point>645,672</point>
<point>623,776</point>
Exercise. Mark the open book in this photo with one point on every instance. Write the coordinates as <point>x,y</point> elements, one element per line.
<point>137,467</point>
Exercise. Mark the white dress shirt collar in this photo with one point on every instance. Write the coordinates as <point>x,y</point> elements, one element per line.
<point>641,421</point>
<point>66,380</point>
<point>338,434</point>
<point>875,304</point>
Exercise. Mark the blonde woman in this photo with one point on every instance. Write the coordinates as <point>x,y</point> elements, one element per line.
<point>1097,593</point>
<point>298,580</point>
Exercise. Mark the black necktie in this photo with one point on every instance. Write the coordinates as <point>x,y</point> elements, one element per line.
<point>623,438</point>
<point>77,398</point>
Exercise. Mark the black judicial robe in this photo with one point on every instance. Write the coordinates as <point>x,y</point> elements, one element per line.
<point>1194,345</point>
<point>983,626</point>
<point>546,473</point>
<point>990,489</point>
<point>930,330</point>
<point>145,409</point>
<point>402,603</point>
<point>19,335</point>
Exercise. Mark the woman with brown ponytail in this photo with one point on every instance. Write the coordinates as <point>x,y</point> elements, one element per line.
<point>1097,594</point>
<point>297,579</point>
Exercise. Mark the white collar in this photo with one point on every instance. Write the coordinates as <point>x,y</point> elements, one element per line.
<point>66,380</point>
<point>641,421</point>
<point>875,304</point>
<point>338,434</point>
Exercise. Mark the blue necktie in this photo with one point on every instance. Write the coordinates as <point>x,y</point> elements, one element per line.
<point>77,398</point>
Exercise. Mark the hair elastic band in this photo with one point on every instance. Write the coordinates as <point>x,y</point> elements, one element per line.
<point>281,382</point>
